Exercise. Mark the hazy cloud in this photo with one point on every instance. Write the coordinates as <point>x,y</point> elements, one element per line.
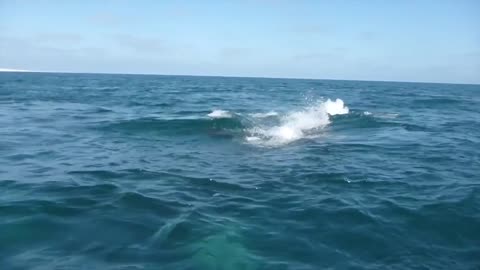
<point>330,55</point>
<point>140,44</point>
<point>107,19</point>
<point>311,29</point>
<point>472,55</point>
<point>59,37</point>
<point>235,52</point>
<point>24,53</point>
<point>367,36</point>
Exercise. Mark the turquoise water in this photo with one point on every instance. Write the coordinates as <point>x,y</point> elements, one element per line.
<point>171,172</point>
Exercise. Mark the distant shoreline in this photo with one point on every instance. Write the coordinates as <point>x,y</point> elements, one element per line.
<point>13,70</point>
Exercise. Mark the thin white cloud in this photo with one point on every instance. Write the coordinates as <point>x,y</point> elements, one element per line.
<point>107,19</point>
<point>59,37</point>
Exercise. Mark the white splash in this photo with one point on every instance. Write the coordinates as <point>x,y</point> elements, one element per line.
<point>297,124</point>
<point>335,107</point>
<point>252,138</point>
<point>219,114</point>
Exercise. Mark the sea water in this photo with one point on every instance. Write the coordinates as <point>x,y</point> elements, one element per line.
<point>179,172</point>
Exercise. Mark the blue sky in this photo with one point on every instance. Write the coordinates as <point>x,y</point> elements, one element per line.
<point>421,40</point>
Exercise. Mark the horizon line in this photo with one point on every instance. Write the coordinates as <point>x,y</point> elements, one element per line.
<point>10,70</point>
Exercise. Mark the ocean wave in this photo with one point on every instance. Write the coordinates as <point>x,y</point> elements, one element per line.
<point>270,128</point>
<point>381,115</point>
<point>187,126</point>
<point>368,121</point>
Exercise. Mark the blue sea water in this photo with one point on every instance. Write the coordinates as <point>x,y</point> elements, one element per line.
<point>178,172</point>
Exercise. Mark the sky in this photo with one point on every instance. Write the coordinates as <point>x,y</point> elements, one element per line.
<point>408,40</point>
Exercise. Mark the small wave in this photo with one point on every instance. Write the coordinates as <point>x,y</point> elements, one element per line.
<point>435,101</point>
<point>263,115</point>
<point>162,234</point>
<point>297,124</point>
<point>175,126</point>
<point>220,114</point>
<point>381,115</point>
<point>103,110</point>
<point>387,115</point>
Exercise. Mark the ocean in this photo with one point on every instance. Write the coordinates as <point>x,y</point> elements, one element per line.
<point>103,171</point>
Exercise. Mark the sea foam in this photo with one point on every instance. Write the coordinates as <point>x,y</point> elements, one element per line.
<point>263,115</point>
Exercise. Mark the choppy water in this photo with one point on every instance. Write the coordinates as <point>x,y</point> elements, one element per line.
<point>164,172</point>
